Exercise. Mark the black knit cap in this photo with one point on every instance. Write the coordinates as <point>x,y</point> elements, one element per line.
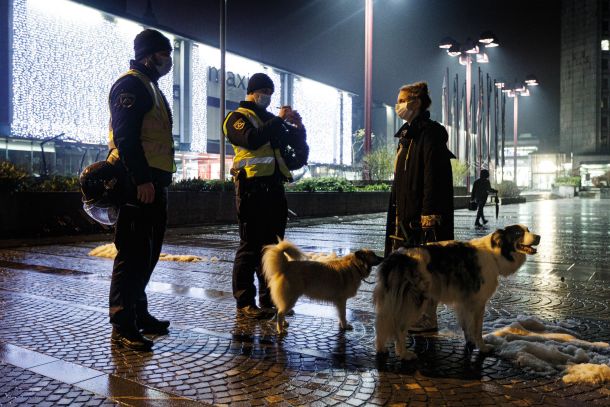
<point>259,81</point>
<point>148,42</point>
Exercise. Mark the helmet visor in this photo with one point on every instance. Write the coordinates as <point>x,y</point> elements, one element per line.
<point>106,216</point>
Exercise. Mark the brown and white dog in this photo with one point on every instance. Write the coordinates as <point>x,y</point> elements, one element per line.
<point>461,274</point>
<point>290,275</point>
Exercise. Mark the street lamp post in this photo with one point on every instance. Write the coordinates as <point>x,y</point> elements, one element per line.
<point>465,52</point>
<point>368,77</point>
<point>223,83</point>
<point>518,90</point>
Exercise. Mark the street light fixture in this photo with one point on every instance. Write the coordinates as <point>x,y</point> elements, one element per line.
<point>465,53</point>
<point>519,89</point>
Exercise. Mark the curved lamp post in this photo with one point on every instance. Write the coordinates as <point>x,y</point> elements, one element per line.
<point>469,52</point>
<point>518,90</point>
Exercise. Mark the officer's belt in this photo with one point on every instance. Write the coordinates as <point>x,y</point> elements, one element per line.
<point>261,185</point>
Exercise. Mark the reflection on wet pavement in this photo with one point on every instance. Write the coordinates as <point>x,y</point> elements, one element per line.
<point>54,334</point>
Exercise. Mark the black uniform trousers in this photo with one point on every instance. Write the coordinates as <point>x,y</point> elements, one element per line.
<point>138,238</point>
<point>262,213</point>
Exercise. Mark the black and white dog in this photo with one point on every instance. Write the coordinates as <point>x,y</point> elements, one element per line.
<point>461,274</point>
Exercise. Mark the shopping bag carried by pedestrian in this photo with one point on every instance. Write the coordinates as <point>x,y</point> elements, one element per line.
<point>472,205</point>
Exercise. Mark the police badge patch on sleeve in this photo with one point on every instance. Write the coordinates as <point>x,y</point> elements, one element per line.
<point>127,100</point>
<point>239,124</point>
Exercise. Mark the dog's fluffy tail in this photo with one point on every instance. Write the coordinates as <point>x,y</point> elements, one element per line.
<point>398,297</point>
<point>277,256</point>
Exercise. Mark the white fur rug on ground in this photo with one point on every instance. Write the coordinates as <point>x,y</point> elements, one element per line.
<point>550,348</point>
<point>109,251</point>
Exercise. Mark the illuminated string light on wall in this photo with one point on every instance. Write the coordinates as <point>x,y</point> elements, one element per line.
<point>65,58</point>
<point>347,128</point>
<point>199,135</point>
<point>319,105</point>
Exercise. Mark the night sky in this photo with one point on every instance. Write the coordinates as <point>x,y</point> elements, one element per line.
<point>324,40</point>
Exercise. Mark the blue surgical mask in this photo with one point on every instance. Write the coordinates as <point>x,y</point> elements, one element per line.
<point>262,100</point>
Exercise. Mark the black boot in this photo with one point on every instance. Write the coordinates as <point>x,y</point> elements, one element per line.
<point>131,339</point>
<point>152,326</point>
<point>254,312</point>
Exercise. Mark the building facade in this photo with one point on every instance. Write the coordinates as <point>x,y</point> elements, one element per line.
<point>585,95</point>
<point>59,59</point>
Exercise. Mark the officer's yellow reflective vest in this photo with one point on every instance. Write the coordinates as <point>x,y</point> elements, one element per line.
<point>260,162</point>
<point>156,134</point>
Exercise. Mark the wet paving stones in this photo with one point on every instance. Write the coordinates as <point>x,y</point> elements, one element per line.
<point>53,302</point>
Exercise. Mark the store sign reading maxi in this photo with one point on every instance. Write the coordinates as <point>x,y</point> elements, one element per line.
<point>234,80</point>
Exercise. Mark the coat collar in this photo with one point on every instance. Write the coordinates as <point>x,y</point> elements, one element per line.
<point>412,130</point>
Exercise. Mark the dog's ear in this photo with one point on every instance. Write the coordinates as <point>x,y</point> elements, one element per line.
<point>500,239</point>
<point>360,255</point>
<point>368,257</point>
<point>497,238</point>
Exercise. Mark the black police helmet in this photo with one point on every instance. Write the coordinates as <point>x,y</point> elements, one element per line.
<point>100,184</point>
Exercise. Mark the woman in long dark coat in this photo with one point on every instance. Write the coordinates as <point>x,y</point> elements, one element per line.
<point>421,203</point>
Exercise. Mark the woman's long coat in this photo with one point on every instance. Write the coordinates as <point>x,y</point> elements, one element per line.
<point>423,184</point>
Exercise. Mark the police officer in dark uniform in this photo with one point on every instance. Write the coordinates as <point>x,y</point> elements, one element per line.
<point>266,148</point>
<point>140,140</point>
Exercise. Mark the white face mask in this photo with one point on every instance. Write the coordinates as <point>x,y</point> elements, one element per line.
<point>262,100</point>
<point>165,66</point>
<point>401,110</point>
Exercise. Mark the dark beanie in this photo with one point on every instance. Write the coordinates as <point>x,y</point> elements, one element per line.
<point>148,42</point>
<point>259,81</point>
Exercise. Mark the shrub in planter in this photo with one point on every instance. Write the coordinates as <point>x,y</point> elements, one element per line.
<point>569,181</point>
<point>55,183</point>
<point>459,170</point>
<point>12,178</point>
<point>380,164</point>
<point>375,187</point>
<point>202,185</point>
<point>323,184</point>
<point>507,189</point>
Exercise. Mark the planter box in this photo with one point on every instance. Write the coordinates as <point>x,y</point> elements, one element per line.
<point>564,191</point>
<point>33,214</point>
<point>512,200</point>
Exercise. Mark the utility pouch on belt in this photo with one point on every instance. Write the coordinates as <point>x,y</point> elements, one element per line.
<point>239,175</point>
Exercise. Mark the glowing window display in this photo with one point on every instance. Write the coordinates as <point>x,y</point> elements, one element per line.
<point>320,107</point>
<point>66,57</point>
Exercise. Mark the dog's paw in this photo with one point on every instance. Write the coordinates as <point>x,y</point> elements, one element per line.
<point>346,327</point>
<point>407,355</point>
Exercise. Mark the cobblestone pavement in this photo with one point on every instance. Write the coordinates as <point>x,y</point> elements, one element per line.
<point>55,347</point>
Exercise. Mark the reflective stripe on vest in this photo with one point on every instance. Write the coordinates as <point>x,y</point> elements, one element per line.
<point>156,133</point>
<point>259,162</point>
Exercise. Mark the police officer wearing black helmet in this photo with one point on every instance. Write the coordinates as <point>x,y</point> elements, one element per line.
<point>140,140</point>
<point>266,148</point>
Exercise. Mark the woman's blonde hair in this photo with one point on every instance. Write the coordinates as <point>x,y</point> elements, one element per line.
<point>419,90</point>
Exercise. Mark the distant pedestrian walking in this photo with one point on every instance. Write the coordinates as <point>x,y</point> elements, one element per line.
<point>480,190</point>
